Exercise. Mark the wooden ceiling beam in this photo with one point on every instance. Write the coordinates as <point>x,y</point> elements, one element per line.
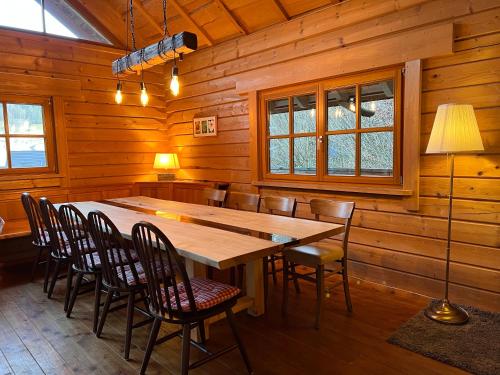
<point>282,10</point>
<point>231,17</point>
<point>140,7</point>
<point>190,20</point>
<point>115,38</point>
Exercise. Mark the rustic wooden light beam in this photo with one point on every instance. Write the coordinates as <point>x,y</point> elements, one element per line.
<point>156,53</point>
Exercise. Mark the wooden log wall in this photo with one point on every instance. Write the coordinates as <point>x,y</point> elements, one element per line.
<point>104,148</point>
<point>389,245</point>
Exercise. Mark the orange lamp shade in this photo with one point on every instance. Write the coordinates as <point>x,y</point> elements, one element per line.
<point>166,161</point>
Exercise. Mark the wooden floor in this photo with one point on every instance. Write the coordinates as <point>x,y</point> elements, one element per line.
<point>37,338</point>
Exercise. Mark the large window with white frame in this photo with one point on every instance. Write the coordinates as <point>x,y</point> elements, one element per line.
<point>27,143</point>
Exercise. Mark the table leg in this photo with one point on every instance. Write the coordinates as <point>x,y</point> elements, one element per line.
<point>255,287</point>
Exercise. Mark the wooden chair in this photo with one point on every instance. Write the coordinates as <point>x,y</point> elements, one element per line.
<point>122,274</point>
<point>276,206</point>
<point>60,250</point>
<point>39,236</point>
<point>244,202</point>
<point>176,299</point>
<point>318,254</point>
<point>85,257</point>
<point>214,197</point>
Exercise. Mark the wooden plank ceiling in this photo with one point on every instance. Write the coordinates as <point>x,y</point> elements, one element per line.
<point>214,21</point>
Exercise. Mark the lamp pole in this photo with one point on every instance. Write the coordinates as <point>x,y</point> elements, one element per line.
<point>443,311</point>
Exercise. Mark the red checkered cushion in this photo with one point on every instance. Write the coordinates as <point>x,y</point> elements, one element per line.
<point>140,272</point>
<point>207,293</point>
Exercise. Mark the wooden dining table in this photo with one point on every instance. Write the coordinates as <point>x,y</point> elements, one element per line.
<point>217,237</point>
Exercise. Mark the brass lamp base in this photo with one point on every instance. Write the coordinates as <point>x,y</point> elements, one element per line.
<point>445,312</point>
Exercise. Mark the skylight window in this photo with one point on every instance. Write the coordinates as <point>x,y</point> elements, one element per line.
<point>54,17</point>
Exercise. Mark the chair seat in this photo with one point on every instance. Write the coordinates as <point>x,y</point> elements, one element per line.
<point>314,254</point>
<point>207,294</point>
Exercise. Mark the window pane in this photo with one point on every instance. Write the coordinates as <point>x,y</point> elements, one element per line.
<point>304,114</point>
<point>341,108</point>
<point>278,117</point>
<point>279,155</point>
<point>342,154</point>
<point>2,122</point>
<point>376,153</point>
<point>377,104</point>
<point>3,154</point>
<point>22,14</point>
<point>62,19</point>
<point>25,118</point>
<point>27,152</point>
<point>304,155</point>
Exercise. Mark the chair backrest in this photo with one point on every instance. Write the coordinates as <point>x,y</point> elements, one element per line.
<point>279,205</point>
<point>76,228</point>
<point>214,197</point>
<point>163,268</point>
<point>39,236</point>
<point>336,210</point>
<point>117,264</point>
<point>243,201</point>
<point>58,239</point>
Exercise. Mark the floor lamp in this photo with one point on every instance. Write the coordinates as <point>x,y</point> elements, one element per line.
<point>454,131</point>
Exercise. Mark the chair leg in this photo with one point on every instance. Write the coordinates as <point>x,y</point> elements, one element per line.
<point>35,263</point>
<point>55,274</point>
<point>273,269</point>
<point>69,284</point>
<point>105,310</point>
<point>320,291</point>
<point>130,320</point>
<point>74,293</point>
<point>153,335</point>
<point>295,278</point>
<point>97,301</point>
<point>232,324</point>
<point>210,273</point>
<point>47,273</point>
<point>186,343</point>
<point>201,328</point>
<point>284,306</point>
<point>346,285</point>
<point>265,273</point>
<point>232,276</point>
<point>241,274</point>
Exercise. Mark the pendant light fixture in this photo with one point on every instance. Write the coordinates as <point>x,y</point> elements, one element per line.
<point>144,95</point>
<point>133,62</point>
<point>174,81</point>
<point>118,94</point>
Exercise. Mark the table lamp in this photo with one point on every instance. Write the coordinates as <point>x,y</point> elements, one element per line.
<point>454,130</point>
<point>166,161</point>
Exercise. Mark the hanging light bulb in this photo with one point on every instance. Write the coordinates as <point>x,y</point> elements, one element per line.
<point>352,104</point>
<point>144,95</point>
<point>174,82</point>
<point>118,95</point>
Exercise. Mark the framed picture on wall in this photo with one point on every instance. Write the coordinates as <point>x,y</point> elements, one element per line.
<point>205,126</point>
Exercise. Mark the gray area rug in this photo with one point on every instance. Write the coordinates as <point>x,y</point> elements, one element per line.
<point>473,347</point>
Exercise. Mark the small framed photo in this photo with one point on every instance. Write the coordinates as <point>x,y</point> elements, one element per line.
<point>205,126</point>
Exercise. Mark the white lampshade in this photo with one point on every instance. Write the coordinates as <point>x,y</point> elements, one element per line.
<point>455,130</point>
<point>166,161</point>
